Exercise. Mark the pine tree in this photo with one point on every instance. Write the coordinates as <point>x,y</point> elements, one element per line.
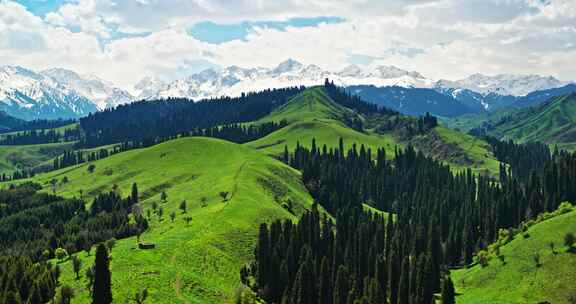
<point>341,286</point>
<point>404,285</point>
<point>134,195</point>
<point>263,255</point>
<point>324,289</point>
<point>102,290</point>
<point>448,291</point>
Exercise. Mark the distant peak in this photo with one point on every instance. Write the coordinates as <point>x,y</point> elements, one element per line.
<point>288,65</point>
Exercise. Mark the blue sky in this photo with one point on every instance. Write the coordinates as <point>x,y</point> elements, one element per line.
<point>41,7</point>
<point>211,32</point>
<point>126,40</point>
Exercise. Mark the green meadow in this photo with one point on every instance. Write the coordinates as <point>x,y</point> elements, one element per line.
<point>197,262</point>
<point>518,279</point>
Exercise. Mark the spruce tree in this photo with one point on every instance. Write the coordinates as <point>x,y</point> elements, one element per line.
<point>341,286</point>
<point>404,285</point>
<point>102,289</point>
<point>134,194</point>
<point>448,291</point>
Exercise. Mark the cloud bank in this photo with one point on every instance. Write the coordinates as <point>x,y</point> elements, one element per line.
<point>126,40</point>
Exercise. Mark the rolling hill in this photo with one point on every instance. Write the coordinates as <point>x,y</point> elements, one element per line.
<point>314,115</point>
<point>553,122</point>
<point>26,157</point>
<point>519,280</point>
<point>199,262</point>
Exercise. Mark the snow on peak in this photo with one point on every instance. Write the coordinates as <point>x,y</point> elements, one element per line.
<point>233,81</point>
<point>103,93</point>
<point>286,66</point>
<point>504,84</point>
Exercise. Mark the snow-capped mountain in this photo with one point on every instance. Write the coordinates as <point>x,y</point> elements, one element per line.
<point>102,93</point>
<point>503,84</point>
<point>233,81</point>
<point>29,95</point>
<point>477,92</point>
<point>55,93</point>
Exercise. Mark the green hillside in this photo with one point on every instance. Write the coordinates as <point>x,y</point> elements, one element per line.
<point>519,280</point>
<point>467,151</point>
<point>313,115</point>
<point>467,122</point>
<point>552,122</point>
<point>199,262</point>
<point>29,156</point>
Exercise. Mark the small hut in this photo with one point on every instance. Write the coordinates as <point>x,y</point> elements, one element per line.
<point>143,245</point>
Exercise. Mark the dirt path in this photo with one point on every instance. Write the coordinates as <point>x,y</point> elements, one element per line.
<point>236,176</point>
<point>178,283</point>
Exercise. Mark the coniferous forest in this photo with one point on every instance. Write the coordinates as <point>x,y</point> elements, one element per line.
<point>441,220</point>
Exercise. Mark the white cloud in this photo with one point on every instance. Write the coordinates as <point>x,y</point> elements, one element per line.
<point>439,38</point>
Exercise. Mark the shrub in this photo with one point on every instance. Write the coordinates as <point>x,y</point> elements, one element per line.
<point>110,244</point>
<point>569,240</point>
<point>536,258</point>
<point>224,195</point>
<point>483,258</point>
<point>61,253</point>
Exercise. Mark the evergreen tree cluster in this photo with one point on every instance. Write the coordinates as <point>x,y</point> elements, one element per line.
<point>35,137</point>
<point>72,158</point>
<point>35,224</point>
<point>38,124</point>
<point>23,281</point>
<point>363,258</point>
<point>437,219</point>
<point>150,120</point>
<point>348,100</point>
<point>238,133</point>
<point>468,209</point>
<point>18,174</point>
<point>522,158</point>
<point>426,122</point>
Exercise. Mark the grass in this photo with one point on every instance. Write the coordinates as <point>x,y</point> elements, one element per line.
<point>467,122</point>
<point>313,115</point>
<point>519,280</point>
<point>476,153</point>
<point>552,122</point>
<point>199,262</point>
<point>29,156</point>
<point>59,130</point>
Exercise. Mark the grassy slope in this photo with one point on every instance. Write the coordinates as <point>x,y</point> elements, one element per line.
<point>468,122</point>
<point>25,157</point>
<point>552,122</point>
<point>520,281</point>
<point>198,263</point>
<point>476,150</point>
<point>313,115</point>
<point>60,130</point>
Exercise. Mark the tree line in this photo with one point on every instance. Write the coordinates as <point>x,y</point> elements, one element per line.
<point>16,124</point>
<point>35,137</point>
<point>35,224</point>
<point>363,257</point>
<point>149,120</point>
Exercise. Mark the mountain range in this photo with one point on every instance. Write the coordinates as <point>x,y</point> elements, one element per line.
<point>55,93</point>
<point>61,93</point>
